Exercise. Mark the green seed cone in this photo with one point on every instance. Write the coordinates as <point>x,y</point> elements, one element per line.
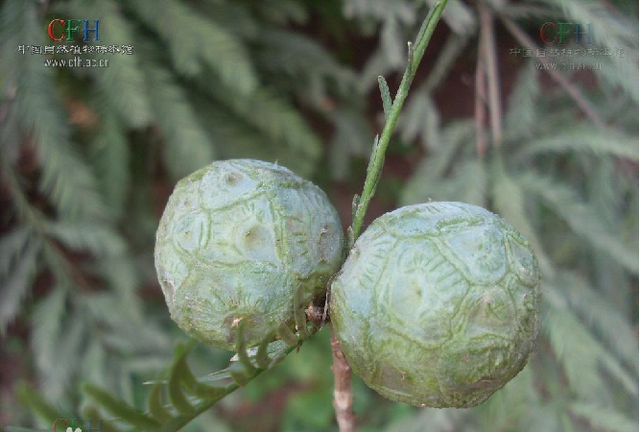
<point>438,304</point>
<point>237,239</point>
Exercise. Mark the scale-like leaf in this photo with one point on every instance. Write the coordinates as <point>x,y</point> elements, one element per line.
<point>239,374</point>
<point>156,407</point>
<point>385,94</point>
<point>287,335</point>
<point>195,387</point>
<point>215,376</point>
<point>176,395</point>
<point>241,347</point>
<point>262,354</point>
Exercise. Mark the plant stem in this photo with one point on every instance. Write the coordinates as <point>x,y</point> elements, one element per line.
<point>416,52</point>
<point>343,394</point>
<point>480,103</point>
<point>488,39</point>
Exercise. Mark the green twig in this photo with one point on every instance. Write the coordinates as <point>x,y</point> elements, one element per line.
<point>416,51</point>
<point>343,394</point>
<point>178,422</point>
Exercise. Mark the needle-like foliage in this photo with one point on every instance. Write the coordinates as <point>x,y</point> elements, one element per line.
<point>88,157</point>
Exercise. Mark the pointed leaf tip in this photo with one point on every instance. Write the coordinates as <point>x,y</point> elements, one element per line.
<point>386,95</point>
<point>241,347</point>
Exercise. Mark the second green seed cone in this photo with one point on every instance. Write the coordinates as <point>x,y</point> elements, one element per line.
<point>437,304</point>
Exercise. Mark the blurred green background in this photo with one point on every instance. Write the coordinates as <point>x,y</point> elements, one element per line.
<point>89,156</point>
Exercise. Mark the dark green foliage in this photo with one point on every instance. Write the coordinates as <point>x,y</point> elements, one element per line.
<point>174,402</point>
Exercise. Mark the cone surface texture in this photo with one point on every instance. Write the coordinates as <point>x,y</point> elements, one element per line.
<point>236,241</point>
<point>438,304</point>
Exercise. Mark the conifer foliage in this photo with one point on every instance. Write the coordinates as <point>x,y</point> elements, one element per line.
<point>87,153</point>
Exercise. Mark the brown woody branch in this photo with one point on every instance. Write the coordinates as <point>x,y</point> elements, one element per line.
<point>342,393</point>
<point>480,106</point>
<point>488,41</point>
